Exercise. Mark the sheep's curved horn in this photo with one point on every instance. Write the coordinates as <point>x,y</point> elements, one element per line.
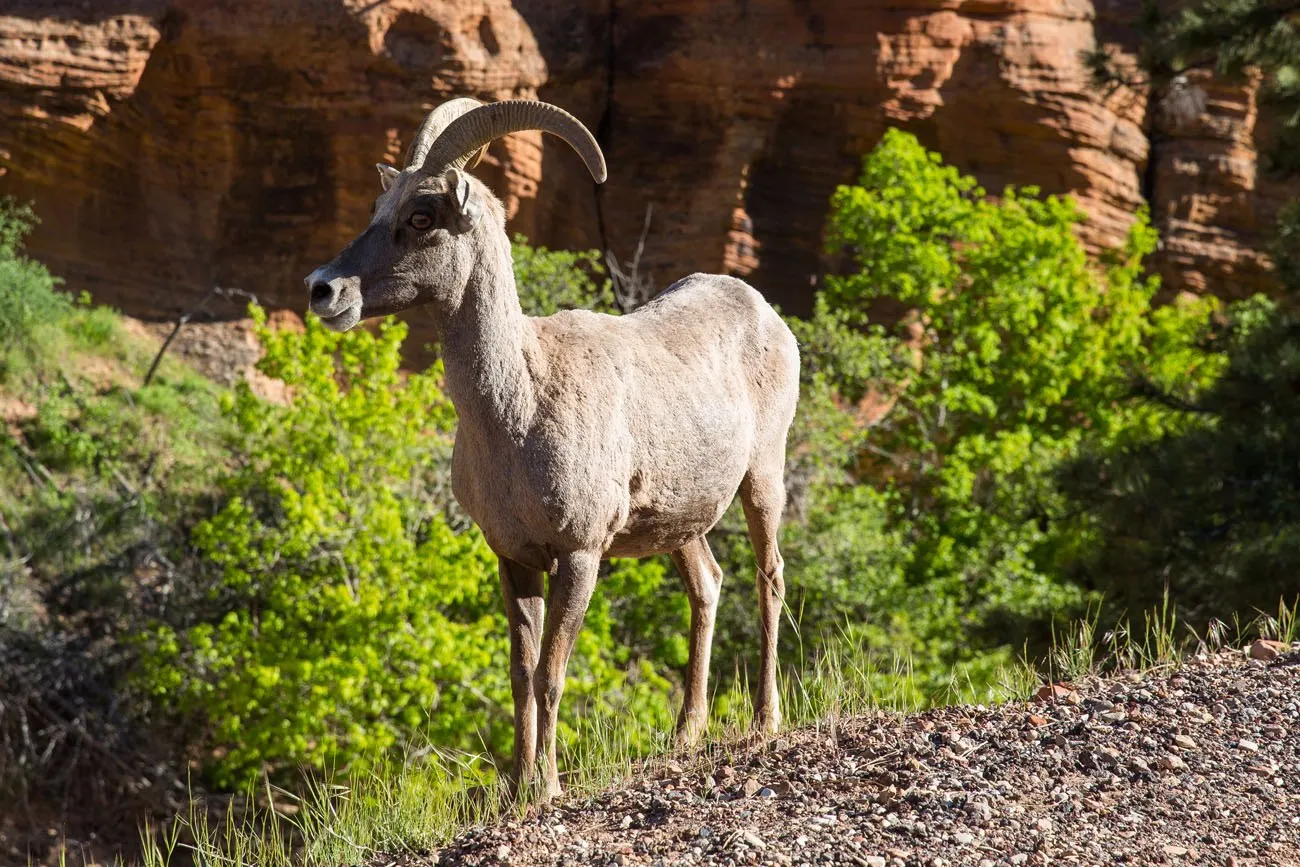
<point>434,124</point>
<point>474,129</point>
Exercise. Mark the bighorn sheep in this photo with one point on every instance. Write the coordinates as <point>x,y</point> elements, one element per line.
<point>581,436</point>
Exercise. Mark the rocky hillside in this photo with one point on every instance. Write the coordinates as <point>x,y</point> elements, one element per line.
<point>1195,766</point>
<point>171,145</point>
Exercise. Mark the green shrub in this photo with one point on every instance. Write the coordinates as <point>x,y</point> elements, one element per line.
<point>553,280</point>
<point>28,298</point>
<point>100,480</point>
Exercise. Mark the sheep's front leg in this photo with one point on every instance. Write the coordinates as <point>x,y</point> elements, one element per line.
<point>566,604</point>
<point>523,588</point>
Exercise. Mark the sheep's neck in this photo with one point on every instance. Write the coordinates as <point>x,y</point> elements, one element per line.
<point>484,354</point>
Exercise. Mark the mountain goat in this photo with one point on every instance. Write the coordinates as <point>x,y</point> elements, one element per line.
<point>581,436</point>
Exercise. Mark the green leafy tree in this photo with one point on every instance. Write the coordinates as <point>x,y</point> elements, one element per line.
<point>1014,351</point>
<point>1203,513</point>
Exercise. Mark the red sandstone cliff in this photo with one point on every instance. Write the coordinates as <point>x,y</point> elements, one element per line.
<point>172,145</point>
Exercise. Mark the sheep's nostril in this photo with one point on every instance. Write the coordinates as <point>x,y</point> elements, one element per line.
<point>322,294</point>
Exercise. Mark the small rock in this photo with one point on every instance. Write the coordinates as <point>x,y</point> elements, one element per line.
<point>1018,858</point>
<point>1035,720</point>
<point>1170,763</point>
<point>874,861</point>
<point>752,840</point>
<point>503,853</point>
<point>1274,731</point>
<point>626,823</point>
<point>1054,692</point>
<point>1265,650</point>
<point>765,792</point>
<point>1183,742</point>
<point>1175,851</point>
<point>963,839</point>
<point>751,787</point>
<point>1248,746</point>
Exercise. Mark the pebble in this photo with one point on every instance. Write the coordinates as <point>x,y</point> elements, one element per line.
<point>1183,742</point>
<point>1170,763</point>
<point>765,792</point>
<point>1248,746</point>
<point>752,840</point>
<point>752,785</point>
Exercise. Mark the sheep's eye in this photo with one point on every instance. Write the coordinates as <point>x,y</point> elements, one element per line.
<point>421,221</point>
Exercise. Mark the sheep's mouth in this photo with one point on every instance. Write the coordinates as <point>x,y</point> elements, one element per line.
<point>343,320</point>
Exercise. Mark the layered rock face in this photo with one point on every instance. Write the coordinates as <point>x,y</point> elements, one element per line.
<point>174,145</point>
<point>736,121</point>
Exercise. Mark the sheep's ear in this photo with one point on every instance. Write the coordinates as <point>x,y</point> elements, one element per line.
<point>463,198</point>
<point>387,174</point>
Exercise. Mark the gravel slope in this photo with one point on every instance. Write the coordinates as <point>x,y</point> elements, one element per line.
<point>1196,766</point>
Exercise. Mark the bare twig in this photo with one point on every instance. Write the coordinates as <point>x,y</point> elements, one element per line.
<point>631,288</point>
<point>215,292</point>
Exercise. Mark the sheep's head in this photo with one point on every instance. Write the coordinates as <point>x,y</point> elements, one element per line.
<point>423,240</point>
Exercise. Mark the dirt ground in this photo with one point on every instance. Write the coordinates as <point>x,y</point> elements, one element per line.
<point>1200,765</point>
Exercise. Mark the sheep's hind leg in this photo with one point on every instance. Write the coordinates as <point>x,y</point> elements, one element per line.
<point>703,579</point>
<point>763,498</point>
<point>566,605</point>
<point>523,590</point>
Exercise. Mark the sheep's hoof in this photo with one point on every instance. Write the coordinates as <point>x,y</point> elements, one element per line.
<point>767,722</point>
<point>548,791</point>
<point>690,733</point>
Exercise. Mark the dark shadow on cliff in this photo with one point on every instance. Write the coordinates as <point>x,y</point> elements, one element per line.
<point>789,192</point>
<point>79,10</point>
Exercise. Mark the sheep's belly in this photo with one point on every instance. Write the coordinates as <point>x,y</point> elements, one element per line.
<point>649,532</point>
